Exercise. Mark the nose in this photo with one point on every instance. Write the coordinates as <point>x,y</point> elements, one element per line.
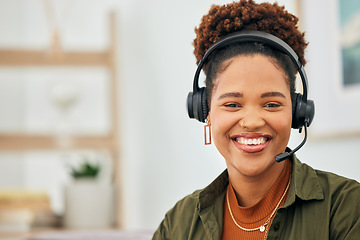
<point>252,120</point>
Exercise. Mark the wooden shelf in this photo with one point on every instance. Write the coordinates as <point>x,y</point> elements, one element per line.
<point>22,142</point>
<point>21,58</point>
<point>45,58</point>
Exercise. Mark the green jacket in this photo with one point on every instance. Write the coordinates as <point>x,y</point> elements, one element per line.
<point>320,205</point>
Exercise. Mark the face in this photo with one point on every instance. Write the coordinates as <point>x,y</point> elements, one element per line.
<point>250,115</point>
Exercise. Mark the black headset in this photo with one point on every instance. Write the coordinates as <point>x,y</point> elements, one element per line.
<point>303,108</point>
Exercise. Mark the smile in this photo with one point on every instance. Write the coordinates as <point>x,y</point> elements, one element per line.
<point>251,142</point>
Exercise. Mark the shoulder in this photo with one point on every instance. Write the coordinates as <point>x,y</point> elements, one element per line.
<point>328,184</point>
<point>337,185</point>
<point>188,204</point>
<point>343,197</point>
<point>330,197</point>
<point>184,218</point>
<point>202,198</point>
<point>178,219</point>
<point>334,187</point>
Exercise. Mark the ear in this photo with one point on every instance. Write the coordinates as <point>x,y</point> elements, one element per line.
<point>208,121</point>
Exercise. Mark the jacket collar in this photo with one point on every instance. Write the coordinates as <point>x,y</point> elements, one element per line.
<point>304,185</point>
<point>218,187</point>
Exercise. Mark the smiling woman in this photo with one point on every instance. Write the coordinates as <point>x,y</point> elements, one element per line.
<point>260,110</point>
<point>250,54</point>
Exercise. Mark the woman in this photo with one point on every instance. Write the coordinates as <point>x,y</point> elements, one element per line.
<point>252,105</point>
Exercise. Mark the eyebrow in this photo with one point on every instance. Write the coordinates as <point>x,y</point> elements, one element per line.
<point>231,94</point>
<point>240,95</point>
<point>272,94</point>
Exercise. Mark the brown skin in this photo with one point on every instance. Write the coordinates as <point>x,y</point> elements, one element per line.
<point>251,91</point>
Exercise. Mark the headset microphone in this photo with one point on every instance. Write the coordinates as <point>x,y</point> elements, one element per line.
<point>285,155</point>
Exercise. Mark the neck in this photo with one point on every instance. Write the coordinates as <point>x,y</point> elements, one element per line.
<point>251,189</point>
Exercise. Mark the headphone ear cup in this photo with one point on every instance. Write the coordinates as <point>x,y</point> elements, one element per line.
<point>310,111</point>
<point>302,112</point>
<point>297,112</point>
<point>203,108</point>
<point>190,104</point>
<point>197,105</point>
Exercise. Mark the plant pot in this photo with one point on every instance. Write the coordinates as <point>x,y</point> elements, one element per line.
<point>89,204</point>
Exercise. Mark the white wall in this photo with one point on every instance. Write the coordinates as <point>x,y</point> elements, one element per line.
<point>162,153</point>
<point>333,150</point>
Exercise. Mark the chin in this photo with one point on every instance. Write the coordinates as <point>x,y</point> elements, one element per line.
<point>255,166</point>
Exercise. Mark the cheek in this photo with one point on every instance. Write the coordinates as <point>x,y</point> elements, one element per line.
<point>221,123</point>
<point>220,127</point>
<point>282,125</point>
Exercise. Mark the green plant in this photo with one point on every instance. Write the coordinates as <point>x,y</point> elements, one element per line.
<point>86,170</point>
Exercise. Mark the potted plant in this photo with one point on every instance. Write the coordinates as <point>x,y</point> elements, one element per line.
<point>89,202</point>
<point>86,170</point>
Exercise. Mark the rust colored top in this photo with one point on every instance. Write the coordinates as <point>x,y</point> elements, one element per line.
<point>254,216</point>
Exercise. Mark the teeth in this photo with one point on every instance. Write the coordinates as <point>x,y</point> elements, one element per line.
<point>251,141</point>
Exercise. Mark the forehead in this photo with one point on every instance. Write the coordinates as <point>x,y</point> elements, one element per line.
<point>249,72</point>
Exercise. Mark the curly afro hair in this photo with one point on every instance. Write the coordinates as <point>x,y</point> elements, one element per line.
<point>248,15</point>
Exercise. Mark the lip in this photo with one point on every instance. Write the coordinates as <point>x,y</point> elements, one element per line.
<point>251,148</point>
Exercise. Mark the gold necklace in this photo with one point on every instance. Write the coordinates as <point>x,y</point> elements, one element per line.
<point>262,227</point>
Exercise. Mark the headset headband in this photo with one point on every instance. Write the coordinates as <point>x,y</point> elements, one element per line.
<point>255,36</point>
<point>303,109</point>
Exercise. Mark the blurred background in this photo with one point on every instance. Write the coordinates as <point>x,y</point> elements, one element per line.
<point>92,99</point>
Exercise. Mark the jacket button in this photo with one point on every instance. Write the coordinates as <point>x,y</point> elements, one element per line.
<point>277,226</point>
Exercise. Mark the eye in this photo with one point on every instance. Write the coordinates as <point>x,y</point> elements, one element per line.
<point>272,105</point>
<point>232,105</point>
